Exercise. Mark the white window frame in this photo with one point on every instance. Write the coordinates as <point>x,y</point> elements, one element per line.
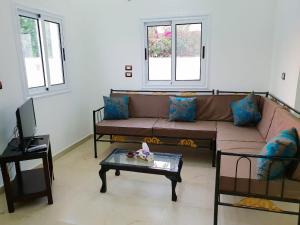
<point>41,16</point>
<point>173,84</point>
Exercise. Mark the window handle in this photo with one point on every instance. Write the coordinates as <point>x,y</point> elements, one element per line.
<point>64,54</point>
<point>146,54</point>
<point>203,52</point>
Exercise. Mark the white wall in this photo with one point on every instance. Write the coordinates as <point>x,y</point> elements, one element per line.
<point>66,117</point>
<point>286,52</point>
<point>240,53</point>
<point>102,36</point>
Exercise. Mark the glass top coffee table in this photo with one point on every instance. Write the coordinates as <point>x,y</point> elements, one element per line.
<point>166,164</point>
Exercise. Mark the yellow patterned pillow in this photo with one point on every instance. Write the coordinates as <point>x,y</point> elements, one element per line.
<point>187,94</point>
<point>258,204</point>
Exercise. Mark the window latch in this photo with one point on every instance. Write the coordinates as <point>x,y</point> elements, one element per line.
<point>64,54</point>
<point>203,52</point>
<point>146,54</point>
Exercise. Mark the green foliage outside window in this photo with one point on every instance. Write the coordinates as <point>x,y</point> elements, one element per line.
<point>160,43</point>
<point>29,30</point>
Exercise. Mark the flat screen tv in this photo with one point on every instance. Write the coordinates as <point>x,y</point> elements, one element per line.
<point>26,123</point>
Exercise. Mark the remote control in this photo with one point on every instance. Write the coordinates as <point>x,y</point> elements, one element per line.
<point>36,148</point>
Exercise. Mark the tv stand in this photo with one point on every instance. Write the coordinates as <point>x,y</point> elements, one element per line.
<point>27,184</point>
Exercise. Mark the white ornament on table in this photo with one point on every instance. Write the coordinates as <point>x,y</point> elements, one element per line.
<point>144,153</point>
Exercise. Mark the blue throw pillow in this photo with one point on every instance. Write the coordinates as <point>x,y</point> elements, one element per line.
<point>245,111</point>
<point>116,108</point>
<point>182,109</point>
<point>283,145</point>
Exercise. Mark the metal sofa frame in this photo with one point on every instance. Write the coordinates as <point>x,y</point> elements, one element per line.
<point>97,117</point>
<point>249,193</point>
<point>235,192</point>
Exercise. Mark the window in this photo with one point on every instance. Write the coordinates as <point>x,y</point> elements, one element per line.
<point>42,52</point>
<point>175,53</point>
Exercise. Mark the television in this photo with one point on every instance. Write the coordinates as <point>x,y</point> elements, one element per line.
<point>26,124</point>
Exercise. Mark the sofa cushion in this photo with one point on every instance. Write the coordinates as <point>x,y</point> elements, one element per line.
<point>282,120</point>
<point>228,164</point>
<point>283,145</point>
<point>156,105</point>
<point>268,110</point>
<point>182,109</point>
<point>258,187</point>
<point>131,126</point>
<point>147,105</point>
<point>296,173</point>
<point>226,131</point>
<point>197,129</point>
<point>240,146</point>
<point>228,183</point>
<point>217,107</point>
<point>116,108</point>
<point>245,111</point>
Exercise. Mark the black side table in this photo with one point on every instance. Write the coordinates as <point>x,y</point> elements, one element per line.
<point>27,184</point>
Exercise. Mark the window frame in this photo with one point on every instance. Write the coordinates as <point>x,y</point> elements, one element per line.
<point>42,17</point>
<point>173,83</point>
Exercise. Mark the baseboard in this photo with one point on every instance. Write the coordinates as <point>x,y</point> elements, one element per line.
<point>71,147</point>
<point>62,153</point>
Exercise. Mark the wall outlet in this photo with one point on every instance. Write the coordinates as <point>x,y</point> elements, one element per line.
<point>283,76</point>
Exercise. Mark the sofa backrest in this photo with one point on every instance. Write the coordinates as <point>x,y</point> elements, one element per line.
<point>268,110</point>
<point>147,105</point>
<point>209,107</point>
<point>217,107</point>
<point>282,120</point>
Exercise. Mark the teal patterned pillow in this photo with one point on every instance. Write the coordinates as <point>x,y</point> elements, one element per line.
<point>116,108</point>
<point>182,109</point>
<point>245,111</point>
<point>283,145</point>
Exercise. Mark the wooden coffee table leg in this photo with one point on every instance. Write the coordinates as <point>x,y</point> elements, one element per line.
<point>174,181</point>
<point>179,171</point>
<point>174,196</point>
<point>102,174</point>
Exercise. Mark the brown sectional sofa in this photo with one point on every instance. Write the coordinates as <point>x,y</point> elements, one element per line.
<point>149,118</point>
<point>237,161</point>
<point>237,148</point>
<point>251,141</point>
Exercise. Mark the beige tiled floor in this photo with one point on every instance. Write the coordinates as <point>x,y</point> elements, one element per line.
<point>132,198</point>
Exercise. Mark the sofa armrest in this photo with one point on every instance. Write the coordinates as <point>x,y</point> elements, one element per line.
<point>247,185</point>
<point>97,115</point>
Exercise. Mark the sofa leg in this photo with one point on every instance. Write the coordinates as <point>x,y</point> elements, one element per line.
<point>214,153</point>
<point>111,141</point>
<point>216,207</point>
<point>95,145</point>
<point>216,203</point>
<point>299,216</point>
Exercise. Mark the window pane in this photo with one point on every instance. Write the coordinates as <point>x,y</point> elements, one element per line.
<point>188,51</point>
<point>53,45</point>
<point>160,52</point>
<point>31,49</point>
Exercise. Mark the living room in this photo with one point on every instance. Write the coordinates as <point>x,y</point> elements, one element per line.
<point>241,47</point>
